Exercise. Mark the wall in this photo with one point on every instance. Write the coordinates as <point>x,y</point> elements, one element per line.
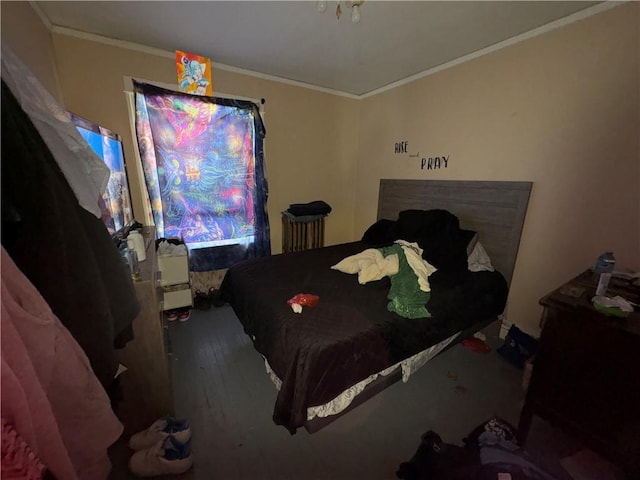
<point>24,32</point>
<point>310,147</point>
<point>561,110</point>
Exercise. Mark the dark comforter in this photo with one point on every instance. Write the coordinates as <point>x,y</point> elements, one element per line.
<point>350,334</point>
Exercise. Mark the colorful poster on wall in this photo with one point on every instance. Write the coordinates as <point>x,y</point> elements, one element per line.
<point>194,73</point>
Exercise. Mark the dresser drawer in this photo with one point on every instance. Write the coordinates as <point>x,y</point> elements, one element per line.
<point>176,296</point>
<point>173,269</point>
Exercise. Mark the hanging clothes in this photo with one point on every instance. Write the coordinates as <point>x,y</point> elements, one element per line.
<point>18,460</point>
<point>86,173</point>
<point>64,250</point>
<point>50,395</point>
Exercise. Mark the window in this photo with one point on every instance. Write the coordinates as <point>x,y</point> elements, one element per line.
<point>115,204</point>
<point>203,165</point>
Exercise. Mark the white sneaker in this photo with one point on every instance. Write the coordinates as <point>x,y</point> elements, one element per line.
<point>158,431</point>
<point>167,457</point>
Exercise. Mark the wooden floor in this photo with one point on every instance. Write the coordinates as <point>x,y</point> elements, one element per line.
<point>221,387</point>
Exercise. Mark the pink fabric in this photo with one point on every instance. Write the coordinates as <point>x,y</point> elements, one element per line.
<point>18,461</point>
<point>49,392</point>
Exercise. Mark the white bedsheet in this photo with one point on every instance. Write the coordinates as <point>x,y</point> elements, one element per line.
<point>341,402</point>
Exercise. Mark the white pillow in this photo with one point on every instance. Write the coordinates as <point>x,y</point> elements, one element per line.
<point>369,264</point>
<point>478,260</point>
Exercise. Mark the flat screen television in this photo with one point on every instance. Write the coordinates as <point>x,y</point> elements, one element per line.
<point>117,214</point>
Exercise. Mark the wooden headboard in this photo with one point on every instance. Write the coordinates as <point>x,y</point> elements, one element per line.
<point>496,210</point>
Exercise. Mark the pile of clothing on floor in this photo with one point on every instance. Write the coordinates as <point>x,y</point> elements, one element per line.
<point>490,452</point>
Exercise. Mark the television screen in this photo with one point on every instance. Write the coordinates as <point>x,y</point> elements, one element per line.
<point>116,200</point>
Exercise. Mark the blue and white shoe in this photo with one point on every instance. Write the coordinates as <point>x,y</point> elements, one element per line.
<point>159,430</point>
<point>167,457</point>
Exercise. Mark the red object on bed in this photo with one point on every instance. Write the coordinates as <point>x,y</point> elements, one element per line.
<point>304,300</point>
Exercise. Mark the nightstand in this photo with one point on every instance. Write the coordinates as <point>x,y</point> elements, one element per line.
<point>586,374</point>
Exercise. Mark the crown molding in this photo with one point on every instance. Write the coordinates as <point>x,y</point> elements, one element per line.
<point>43,17</point>
<point>171,54</point>
<point>581,15</point>
<point>562,22</point>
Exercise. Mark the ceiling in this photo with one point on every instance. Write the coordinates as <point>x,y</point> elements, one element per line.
<point>291,40</point>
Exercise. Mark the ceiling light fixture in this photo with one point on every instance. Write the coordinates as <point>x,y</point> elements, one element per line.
<point>354,5</point>
<point>355,13</point>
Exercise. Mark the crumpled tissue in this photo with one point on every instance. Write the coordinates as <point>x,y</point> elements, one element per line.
<point>616,306</point>
<point>170,249</point>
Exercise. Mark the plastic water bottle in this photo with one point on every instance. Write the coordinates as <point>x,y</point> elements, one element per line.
<point>134,267</point>
<point>605,263</point>
<point>124,256</point>
<point>135,241</point>
<point>603,270</point>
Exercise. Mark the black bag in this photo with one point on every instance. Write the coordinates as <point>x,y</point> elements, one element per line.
<point>436,460</point>
<point>518,347</point>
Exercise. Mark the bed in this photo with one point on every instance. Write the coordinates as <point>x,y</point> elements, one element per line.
<point>328,359</point>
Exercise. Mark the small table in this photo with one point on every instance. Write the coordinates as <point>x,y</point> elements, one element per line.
<point>586,374</point>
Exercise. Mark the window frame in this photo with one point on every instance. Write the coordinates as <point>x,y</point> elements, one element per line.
<point>131,109</point>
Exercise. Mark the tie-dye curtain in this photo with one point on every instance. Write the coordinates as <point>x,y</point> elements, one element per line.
<point>203,163</point>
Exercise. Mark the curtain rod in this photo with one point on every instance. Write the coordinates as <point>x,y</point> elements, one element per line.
<point>128,87</point>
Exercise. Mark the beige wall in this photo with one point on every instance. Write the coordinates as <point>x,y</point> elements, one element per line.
<point>561,110</point>
<point>310,148</point>
<point>30,40</point>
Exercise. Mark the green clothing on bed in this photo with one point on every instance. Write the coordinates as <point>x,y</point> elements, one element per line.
<point>406,298</point>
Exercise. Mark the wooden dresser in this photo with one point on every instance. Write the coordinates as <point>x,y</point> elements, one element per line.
<point>146,385</point>
<point>586,374</point>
